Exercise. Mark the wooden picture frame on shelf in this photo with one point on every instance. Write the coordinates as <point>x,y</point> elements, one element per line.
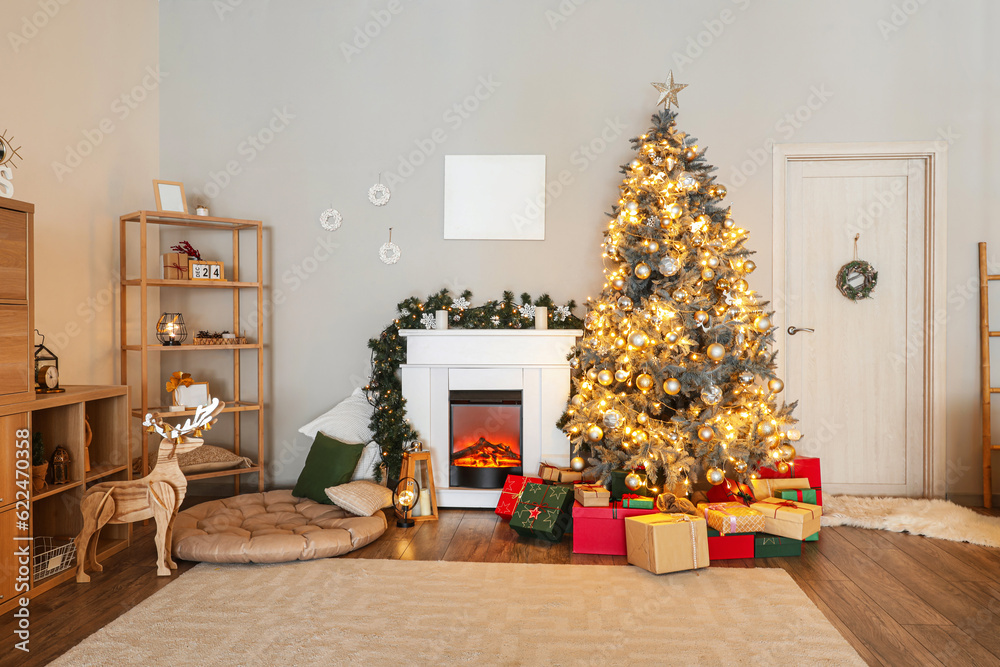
<point>193,396</point>
<point>170,196</point>
<point>203,269</point>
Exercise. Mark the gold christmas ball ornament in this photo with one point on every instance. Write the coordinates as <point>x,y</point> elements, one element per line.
<point>775,453</point>
<point>621,375</point>
<point>665,222</point>
<point>619,342</point>
<point>712,262</point>
<point>674,211</point>
<point>672,386</point>
<point>642,271</point>
<point>762,324</point>
<point>680,295</point>
<point>635,164</point>
<point>624,302</point>
<point>639,436</point>
<point>741,285</point>
<point>605,377</point>
<point>637,339</point>
<point>642,418</point>
<point>722,284</point>
<point>574,363</point>
<point>783,467</point>
<point>745,378</point>
<point>717,190</point>
<point>592,374</point>
<point>672,337</point>
<point>740,466</point>
<point>772,442</point>
<point>749,266</point>
<point>765,428</point>
<point>703,220</point>
<point>668,266</point>
<point>618,283</point>
<point>715,476</point>
<point>793,434</point>
<point>775,385</point>
<point>612,419</point>
<point>705,433</point>
<point>715,352</point>
<point>787,452</point>
<point>700,316</point>
<point>644,382</point>
<point>632,207</point>
<point>577,400</point>
<point>633,481</point>
<point>577,463</point>
<point>728,223</point>
<point>691,153</point>
<point>707,274</point>
<point>594,433</point>
<point>652,247</point>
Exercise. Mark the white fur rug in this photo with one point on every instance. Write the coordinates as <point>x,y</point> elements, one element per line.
<point>932,518</point>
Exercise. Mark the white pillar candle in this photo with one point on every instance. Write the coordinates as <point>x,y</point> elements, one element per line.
<point>425,502</point>
<point>541,317</point>
<point>441,317</point>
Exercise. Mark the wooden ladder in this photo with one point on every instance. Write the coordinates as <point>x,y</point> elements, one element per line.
<point>987,391</point>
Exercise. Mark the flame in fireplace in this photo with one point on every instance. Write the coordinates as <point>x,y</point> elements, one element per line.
<point>485,454</point>
<point>486,436</point>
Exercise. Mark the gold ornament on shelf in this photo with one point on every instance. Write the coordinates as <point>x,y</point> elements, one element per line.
<point>706,433</point>
<point>775,385</point>
<point>644,382</point>
<point>633,481</point>
<point>605,377</point>
<point>715,352</point>
<point>594,433</point>
<point>715,476</point>
<point>642,271</point>
<point>672,386</point>
<point>577,463</point>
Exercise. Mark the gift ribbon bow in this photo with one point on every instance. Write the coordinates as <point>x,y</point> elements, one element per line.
<point>778,504</point>
<point>631,496</point>
<point>678,518</point>
<point>179,379</point>
<point>536,508</point>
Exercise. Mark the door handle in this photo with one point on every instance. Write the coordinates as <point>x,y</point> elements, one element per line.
<point>794,330</point>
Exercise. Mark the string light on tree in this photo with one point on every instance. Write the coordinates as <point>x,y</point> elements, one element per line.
<point>675,375</point>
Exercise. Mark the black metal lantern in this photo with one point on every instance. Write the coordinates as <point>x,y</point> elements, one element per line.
<point>60,465</point>
<point>404,497</point>
<point>46,369</point>
<point>170,329</point>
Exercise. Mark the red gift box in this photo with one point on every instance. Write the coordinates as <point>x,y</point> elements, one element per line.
<point>511,493</point>
<point>804,467</point>
<point>731,492</point>
<point>728,547</point>
<point>601,530</point>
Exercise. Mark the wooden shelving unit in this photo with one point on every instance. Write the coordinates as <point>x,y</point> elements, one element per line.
<point>147,345</point>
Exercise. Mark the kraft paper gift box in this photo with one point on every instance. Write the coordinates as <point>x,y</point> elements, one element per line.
<point>551,473</point>
<point>543,511</point>
<point>592,495</point>
<point>804,467</point>
<point>175,266</point>
<point>769,488</point>
<point>788,518</point>
<point>770,546</point>
<point>728,547</point>
<point>662,543</point>
<point>728,518</point>
<point>511,493</point>
<point>601,530</point>
<point>811,496</point>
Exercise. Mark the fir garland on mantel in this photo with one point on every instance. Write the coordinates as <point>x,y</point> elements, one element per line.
<point>389,425</point>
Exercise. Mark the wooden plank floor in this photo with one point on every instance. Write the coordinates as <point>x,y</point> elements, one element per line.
<point>898,599</point>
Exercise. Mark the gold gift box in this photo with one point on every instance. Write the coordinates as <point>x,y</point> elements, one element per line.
<point>788,518</point>
<point>662,543</point>
<point>730,518</point>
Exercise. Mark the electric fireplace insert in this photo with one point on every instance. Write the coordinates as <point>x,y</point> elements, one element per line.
<point>485,438</point>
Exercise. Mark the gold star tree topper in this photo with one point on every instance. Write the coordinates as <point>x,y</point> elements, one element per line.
<point>668,90</point>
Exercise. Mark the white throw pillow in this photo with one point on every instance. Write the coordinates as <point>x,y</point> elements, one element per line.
<point>347,421</point>
<point>365,469</point>
<point>362,498</point>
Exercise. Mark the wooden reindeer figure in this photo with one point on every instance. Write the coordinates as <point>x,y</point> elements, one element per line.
<point>158,495</point>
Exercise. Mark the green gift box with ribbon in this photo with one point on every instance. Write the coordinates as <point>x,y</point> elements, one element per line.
<point>543,511</point>
<point>770,546</point>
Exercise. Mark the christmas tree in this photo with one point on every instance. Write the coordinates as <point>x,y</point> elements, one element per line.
<point>674,375</point>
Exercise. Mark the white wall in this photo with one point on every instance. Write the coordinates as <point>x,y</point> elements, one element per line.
<point>567,75</point>
<point>89,156</point>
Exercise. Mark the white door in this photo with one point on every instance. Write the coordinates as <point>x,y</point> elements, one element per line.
<point>864,376</point>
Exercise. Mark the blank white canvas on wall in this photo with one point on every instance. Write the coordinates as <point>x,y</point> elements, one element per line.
<point>494,197</point>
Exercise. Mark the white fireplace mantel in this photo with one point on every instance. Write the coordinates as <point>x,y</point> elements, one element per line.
<point>532,361</point>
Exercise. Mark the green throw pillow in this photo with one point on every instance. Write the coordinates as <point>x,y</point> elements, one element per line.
<point>329,463</point>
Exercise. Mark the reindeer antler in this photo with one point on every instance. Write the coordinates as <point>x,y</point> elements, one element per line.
<point>204,416</point>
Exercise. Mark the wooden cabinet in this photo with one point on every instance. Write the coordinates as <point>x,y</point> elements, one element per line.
<point>16,320</point>
<point>54,512</point>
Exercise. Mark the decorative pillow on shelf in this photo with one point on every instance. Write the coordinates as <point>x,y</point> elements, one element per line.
<point>347,421</point>
<point>362,498</point>
<point>329,463</point>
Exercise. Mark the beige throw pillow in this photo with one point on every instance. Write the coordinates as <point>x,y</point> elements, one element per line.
<point>362,498</point>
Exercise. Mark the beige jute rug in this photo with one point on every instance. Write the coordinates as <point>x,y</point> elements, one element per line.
<point>382,612</point>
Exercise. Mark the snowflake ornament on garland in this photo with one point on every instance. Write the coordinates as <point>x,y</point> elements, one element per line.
<point>495,320</point>
<point>528,311</point>
<point>461,303</point>
<point>428,320</point>
<point>562,313</point>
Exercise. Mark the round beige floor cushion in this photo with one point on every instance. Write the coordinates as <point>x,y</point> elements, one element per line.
<point>271,527</point>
